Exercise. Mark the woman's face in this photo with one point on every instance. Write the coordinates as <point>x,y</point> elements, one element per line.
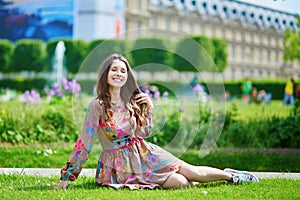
<point>117,74</point>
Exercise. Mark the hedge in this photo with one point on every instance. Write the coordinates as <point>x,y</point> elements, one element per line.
<point>273,87</point>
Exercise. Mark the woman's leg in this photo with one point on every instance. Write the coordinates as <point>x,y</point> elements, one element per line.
<point>203,173</point>
<point>176,180</point>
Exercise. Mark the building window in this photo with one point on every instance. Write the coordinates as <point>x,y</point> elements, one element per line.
<point>269,56</point>
<point>167,22</point>
<point>233,73</point>
<point>139,26</point>
<point>242,36</point>
<point>251,54</point>
<point>154,21</point>
<point>232,51</point>
<point>223,32</point>
<point>260,39</point>
<point>260,54</point>
<point>276,57</point>
<point>179,25</point>
<point>251,37</point>
<point>139,4</point>
<point>233,34</point>
<point>191,28</point>
<point>213,30</point>
<point>242,53</point>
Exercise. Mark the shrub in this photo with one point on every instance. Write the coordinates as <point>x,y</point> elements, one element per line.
<point>6,51</point>
<point>29,55</point>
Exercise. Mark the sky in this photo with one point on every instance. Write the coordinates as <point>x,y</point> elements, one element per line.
<point>291,6</point>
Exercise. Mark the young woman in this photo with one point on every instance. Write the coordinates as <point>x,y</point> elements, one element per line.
<point>120,117</point>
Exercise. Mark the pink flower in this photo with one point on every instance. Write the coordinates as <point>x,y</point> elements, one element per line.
<point>119,131</point>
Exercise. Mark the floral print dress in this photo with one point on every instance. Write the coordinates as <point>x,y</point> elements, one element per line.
<point>127,160</point>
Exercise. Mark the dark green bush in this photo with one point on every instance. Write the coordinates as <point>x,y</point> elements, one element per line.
<point>76,51</point>
<point>28,55</point>
<point>6,51</point>
<point>151,51</point>
<point>21,84</point>
<point>272,132</point>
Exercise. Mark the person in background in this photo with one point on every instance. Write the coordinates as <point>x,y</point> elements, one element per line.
<point>289,92</point>
<point>298,92</point>
<point>120,117</point>
<point>246,90</point>
<point>260,96</point>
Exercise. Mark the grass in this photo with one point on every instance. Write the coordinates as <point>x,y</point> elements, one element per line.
<point>261,111</point>
<point>33,187</point>
<point>55,156</point>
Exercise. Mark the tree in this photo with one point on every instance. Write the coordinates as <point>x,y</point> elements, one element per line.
<point>194,54</point>
<point>292,44</point>
<point>220,55</point>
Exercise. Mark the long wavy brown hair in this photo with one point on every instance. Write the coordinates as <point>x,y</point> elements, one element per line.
<point>128,91</point>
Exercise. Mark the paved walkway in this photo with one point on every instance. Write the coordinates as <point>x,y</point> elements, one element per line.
<point>48,172</point>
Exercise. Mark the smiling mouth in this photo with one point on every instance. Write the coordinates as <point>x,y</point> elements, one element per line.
<point>117,79</point>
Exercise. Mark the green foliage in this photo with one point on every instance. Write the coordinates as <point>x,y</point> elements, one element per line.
<point>6,51</point>
<point>76,51</point>
<point>150,52</point>
<point>50,50</point>
<point>275,87</point>
<point>194,54</point>
<point>291,44</point>
<point>20,186</point>
<point>55,126</point>
<point>155,53</point>
<point>93,44</point>
<point>272,131</point>
<point>54,155</point>
<point>28,55</point>
<point>21,84</point>
<point>47,124</point>
<point>108,46</point>
<point>99,50</point>
<point>220,54</point>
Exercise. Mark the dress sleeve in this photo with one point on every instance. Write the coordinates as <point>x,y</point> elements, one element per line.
<point>146,130</point>
<point>84,143</point>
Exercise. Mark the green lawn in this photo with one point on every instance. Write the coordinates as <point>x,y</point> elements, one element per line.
<point>253,110</point>
<point>33,187</point>
<point>56,155</point>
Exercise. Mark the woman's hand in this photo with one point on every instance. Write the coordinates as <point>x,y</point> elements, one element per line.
<point>143,98</point>
<point>62,185</point>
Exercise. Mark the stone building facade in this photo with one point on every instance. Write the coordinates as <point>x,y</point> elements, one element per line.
<point>254,34</point>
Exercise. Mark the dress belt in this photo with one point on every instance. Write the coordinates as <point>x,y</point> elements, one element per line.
<point>125,146</point>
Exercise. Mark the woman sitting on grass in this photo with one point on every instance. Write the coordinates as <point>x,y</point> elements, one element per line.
<point>120,117</point>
